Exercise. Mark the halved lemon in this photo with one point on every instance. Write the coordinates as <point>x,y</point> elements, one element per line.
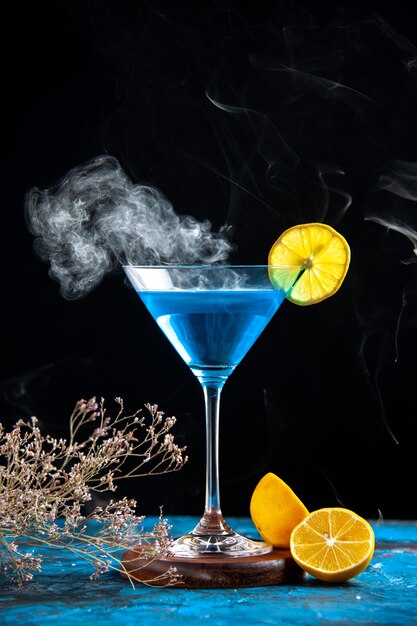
<point>317,258</point>
<point>275,510</point>
<point>333,544</point>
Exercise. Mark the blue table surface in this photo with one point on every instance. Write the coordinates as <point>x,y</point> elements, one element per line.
<point>386,593</point>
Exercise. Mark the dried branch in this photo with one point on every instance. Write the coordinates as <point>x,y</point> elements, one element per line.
<point>45,483</point>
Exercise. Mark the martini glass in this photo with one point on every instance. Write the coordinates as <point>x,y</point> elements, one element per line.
<point>212,315</point>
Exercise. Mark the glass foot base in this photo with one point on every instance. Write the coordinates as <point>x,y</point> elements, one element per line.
<point>229,545</point>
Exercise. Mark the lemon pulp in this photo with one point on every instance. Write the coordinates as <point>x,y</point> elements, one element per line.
<point>316,258</point>
<point>333,544</point>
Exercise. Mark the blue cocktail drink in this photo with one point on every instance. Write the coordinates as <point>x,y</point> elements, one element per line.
<point>212,315</point>
<point>212,329</point>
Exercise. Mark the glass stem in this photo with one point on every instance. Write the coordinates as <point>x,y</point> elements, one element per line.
<point>212,522</point>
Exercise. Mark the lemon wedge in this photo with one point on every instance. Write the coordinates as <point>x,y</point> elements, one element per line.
<point>275,510</point>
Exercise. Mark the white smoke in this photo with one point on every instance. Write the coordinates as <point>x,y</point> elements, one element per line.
<point>96,219</point>
<point>400,179</point>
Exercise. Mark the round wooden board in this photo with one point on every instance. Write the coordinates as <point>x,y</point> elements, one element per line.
<point>211,572</point>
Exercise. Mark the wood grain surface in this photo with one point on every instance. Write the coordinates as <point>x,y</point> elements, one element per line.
<point>210,572</point>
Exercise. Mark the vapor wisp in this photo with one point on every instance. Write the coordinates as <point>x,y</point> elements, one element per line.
<point>399,179</point>
<point>96,219</point>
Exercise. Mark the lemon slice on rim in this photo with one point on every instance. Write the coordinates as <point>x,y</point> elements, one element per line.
<point>333,544</point>
<point>316,257</point>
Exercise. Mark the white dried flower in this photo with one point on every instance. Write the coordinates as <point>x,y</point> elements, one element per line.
<point>43,480</point>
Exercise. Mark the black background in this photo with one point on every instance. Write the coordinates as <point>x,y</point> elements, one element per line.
<point>304,92</point>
